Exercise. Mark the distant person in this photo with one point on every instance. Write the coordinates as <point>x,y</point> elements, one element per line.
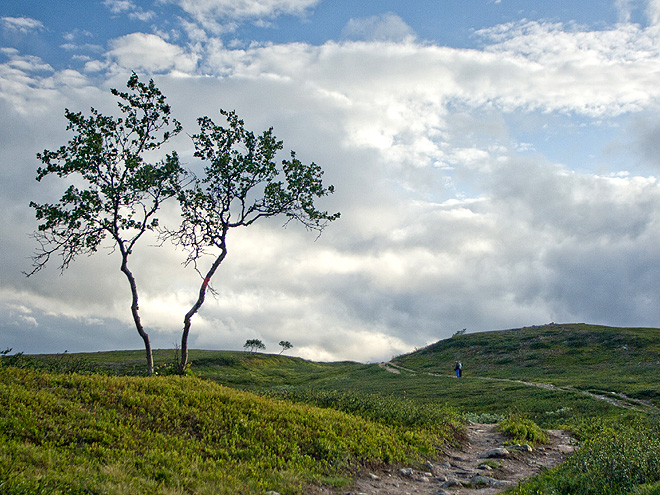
<point>459,369</point>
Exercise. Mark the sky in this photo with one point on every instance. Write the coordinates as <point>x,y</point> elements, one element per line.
<point>495,163</point>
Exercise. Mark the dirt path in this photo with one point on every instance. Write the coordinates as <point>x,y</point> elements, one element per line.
<point>482,465</point>
<point>479,465</point>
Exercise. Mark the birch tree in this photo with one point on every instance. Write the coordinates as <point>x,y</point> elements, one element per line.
<point>117,194</point>
<point>242,184</point>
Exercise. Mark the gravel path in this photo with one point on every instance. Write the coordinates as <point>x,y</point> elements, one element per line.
<point>469,469</point>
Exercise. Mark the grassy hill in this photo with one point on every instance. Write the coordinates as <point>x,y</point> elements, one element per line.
<point>80,434</point>
<point>252,422</point>
<point>587,357</point>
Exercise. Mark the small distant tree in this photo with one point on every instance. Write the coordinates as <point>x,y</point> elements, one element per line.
<point>241,184</point>
<point>253,344</point>
<point>117,194</point>
<point>285,345</point>
<point>458,333</point>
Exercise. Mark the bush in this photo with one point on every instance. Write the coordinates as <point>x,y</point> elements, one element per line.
<point>623,458</point>
<point>522,430</point>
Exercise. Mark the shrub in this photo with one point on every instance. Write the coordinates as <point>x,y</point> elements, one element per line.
<point>623,458</point>
<point>522,430</point>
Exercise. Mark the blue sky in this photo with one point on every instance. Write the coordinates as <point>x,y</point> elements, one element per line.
<point>495,163</point>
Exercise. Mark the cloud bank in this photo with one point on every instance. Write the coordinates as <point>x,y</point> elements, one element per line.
<point>456,212</point>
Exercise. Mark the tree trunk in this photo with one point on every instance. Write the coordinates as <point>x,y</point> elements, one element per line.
<point>198,304</point>
<point>134,311</point>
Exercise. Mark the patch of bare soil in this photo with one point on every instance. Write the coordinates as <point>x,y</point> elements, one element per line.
<point>482,465</point>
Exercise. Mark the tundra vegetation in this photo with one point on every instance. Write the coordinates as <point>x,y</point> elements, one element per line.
<point>254,422</point>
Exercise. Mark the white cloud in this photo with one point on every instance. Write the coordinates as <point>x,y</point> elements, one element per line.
<point>218,16</point>
<point>653,12</point>
<point>77,33</point>
<point>649,8</point>
<point>149,52</point>
<point>624,9</point>
<point>128,7</point>
<point>246,9</point>
<point>119,6</point>
<point>451,216</point>
<point>22,25</point>
<point>384,27</point>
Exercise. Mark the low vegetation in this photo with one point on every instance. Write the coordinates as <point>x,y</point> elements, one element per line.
<point>587,357</point>
<point>73,433</point>
<point>521,430</point>
<point>616,458</point>
<point>252,422</point>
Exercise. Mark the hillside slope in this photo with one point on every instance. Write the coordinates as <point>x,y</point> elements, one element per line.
<point>588,357</point>
<point>75,434</point>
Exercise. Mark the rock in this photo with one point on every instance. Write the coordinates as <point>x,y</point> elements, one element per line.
<point>566,449</point>
<point>406,472</point>
<point>522,448</point>
<point>442,492</point>
<point>446,465</point>
<point>487,480</point>
<point>441,479</point>
<point>483,480</point>
<point>496,453</point>
<point>272,493</point>
<point>452,482</point>
<point>422,479</point>
<point>484,467</point>
<point>429,465</point>
<point>373,477</point>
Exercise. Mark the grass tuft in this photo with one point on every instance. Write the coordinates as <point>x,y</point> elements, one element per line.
<point>521,430</point>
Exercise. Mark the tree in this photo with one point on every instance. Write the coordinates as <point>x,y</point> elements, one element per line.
<point>118,194</point>
<point>285,345</point>
<point>241,184</point>
<point>253,344</point>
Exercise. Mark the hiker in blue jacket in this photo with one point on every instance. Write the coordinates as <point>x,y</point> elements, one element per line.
<point>459,369</point>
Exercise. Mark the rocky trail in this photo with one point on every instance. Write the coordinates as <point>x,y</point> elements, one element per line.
<point>481,465</point>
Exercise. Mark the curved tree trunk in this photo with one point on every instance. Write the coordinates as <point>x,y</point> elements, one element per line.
<point>198,304</point>
<point>135,311</point>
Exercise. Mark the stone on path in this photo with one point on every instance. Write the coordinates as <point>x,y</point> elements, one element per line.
<point>522,448</point>
<point>406,472</point>
<point>496,453</point>
<point>487,480</point>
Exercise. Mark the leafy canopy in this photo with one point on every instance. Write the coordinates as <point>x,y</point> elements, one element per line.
<point>242,183</point>
<point>118,193</point>
<point>253,344</point>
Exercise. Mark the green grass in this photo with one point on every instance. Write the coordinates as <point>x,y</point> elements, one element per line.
<point>616,459</point>
<point>472,396</point>
<point>588,357</point>
<point>72,433</point>
<point>249,422</point>
<point>521,430</point>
